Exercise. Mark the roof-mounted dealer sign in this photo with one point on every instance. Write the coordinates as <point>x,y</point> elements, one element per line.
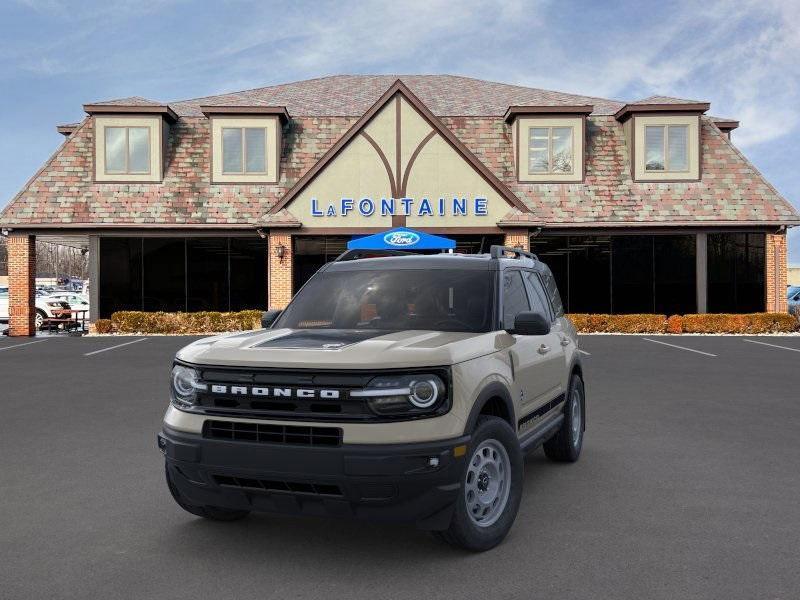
<point>423,207</point>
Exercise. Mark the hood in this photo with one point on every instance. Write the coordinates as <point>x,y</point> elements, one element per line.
<point>342,348</point>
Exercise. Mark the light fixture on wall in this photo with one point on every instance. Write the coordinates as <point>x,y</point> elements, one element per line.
<point>280,252</point>
<point>4,232</point>
<point>261,233</point>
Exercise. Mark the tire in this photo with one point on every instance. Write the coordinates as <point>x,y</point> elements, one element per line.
<point>493,443</point>
<point>566,444</point>
<point>39,318</point>
<point>215,513</point>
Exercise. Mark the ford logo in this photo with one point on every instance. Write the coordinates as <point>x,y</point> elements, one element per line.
<point>401,238</point>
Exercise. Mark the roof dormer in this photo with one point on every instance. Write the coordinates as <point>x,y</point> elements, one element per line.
<point>129,139</point>
<point>663,138</point>
<point>549,142</point>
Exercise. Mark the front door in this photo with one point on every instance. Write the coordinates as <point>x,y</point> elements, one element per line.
<point>538,360</point>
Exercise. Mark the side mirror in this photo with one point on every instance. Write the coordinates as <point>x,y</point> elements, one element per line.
<point>531,323</point>
<point>268,318</point>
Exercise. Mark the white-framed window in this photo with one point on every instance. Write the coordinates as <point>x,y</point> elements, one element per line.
<point>666,148</point>
<point>127,150</point>
<point>550,150</point>
<point>244,150</point>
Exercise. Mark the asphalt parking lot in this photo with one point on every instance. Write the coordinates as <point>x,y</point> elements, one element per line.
<point>688,487</point>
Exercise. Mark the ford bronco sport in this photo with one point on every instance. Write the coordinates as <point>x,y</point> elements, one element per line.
<point>402,388</point>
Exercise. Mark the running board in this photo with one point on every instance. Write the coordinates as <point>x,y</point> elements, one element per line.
<point>541,434</point>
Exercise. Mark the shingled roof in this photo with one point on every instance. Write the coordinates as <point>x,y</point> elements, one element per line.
<point>731,191</point>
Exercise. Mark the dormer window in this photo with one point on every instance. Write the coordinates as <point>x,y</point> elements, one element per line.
<point>129,140</point>
<point>245,143</point>
<point>244,150</point>
<point>550,150</point>
<point>127,150</point>
<point>548,142</point>
<point>666,148</point>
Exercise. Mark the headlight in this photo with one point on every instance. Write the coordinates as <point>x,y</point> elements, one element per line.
<point>405,395</point>
<point>185,385</point>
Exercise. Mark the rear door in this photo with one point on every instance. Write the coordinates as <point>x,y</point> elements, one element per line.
<point>536,376</point>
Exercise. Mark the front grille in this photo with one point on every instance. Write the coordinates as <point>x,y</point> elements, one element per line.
<point>292,394</point>
<point>273,434</point>
<point>288,487</point>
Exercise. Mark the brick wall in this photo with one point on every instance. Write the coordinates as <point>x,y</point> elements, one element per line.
<point>517,238</point>
<point>280,270</point>
<point>776,273</point>
<point>21,284</point>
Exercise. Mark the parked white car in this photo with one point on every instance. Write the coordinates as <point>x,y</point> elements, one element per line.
<point>45,305</point>
<point>3,304</point>
<point>75,300</point>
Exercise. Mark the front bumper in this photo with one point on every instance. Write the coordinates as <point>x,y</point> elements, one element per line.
<point>410,483</point>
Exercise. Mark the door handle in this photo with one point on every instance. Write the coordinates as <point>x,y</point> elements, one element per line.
<point>543,349</point>
<point>565,341</point>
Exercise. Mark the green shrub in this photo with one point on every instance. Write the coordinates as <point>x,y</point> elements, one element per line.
<point>198,322</point>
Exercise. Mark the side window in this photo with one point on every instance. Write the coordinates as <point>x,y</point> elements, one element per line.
<point>552,293</point>
<point>537,295</point>
<point>515,299</point>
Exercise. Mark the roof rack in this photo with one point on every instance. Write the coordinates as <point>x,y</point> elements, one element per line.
<point>501,251</point>
<point>357,254</point>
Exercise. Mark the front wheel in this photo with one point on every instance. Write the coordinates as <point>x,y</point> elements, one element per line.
<point>491,488</point>
<point>215,513</point>
<point>566,444</point>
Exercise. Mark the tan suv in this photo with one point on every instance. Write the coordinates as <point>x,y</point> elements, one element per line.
<point>400,388</point>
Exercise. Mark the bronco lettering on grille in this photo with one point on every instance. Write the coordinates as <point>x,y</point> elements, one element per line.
<point>274,392</point>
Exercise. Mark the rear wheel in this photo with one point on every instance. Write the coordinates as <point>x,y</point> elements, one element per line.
<point>565,446</point>
<point>215,513</point>
<point>491,489</point>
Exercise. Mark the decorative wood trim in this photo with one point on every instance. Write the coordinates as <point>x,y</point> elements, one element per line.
<point>412,158</point>
<point>131,109</point>
<point>384,160</point>
<point>515,111</point>
<point>279,111</point>
<point>629,109</point>
<point>399,87</point>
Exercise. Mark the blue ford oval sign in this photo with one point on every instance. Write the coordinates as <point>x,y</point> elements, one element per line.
<point>401,238</point>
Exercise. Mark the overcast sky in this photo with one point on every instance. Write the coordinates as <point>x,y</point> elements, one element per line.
<point>740,55</point>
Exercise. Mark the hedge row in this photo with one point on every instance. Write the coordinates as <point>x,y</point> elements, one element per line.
<point>706,323</point>
<point>197,322</point>
<point>216,322</point>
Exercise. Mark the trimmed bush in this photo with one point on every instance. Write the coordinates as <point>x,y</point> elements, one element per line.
<point>586,323</point>
<point>103,326</point>
<point>198,322</point>
<point>747,323</point>
<point>708,323</point>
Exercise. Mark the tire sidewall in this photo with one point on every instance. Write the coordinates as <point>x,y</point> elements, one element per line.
<point>470,535</point>
<point>575,381</point>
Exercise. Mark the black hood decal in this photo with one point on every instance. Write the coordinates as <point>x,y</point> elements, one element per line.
<point>322,339</point>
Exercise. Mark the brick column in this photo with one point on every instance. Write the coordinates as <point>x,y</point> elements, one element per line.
<point>517,238</point>
<point>21,284</point>
<point>280,270</point>
<point>775,273</point>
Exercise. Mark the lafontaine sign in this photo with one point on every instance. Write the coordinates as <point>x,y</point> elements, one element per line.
<point>422,207</point>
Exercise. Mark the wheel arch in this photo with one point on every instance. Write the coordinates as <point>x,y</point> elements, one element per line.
<point>495,400</point>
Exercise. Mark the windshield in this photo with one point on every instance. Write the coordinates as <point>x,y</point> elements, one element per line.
<point>440,300</point>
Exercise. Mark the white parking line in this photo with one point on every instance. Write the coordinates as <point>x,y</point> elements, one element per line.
<point>771,345</point>
<point>584,352</point>
<point>20,345</point>
<point>113,347</point>
<point>680,347</point>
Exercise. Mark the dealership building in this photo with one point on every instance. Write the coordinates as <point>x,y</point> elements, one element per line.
<point>233,201</point>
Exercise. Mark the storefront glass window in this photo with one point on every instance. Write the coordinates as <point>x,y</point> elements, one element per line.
<point>622,274</point>
<point>180,274</point>
<point>736,272</point>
